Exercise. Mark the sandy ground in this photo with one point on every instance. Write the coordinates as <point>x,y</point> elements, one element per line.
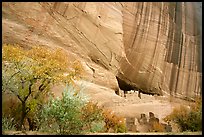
<point>149,133</point>
<point>132,105</point>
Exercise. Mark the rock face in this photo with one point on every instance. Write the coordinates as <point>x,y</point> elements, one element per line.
<point>162,44</point>
<point>154,47</point>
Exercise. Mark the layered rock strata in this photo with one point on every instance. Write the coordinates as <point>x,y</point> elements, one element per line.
<point>151,46</point>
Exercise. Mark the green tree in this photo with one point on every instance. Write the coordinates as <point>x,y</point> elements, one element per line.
<point>29,73</point>
<point>74,113</point>
<point>63,115</point>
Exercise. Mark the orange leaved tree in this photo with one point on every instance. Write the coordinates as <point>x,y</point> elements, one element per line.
<point>29,73</point>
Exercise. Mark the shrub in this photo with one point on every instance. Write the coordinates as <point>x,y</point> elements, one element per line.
<point>97,126</point>
<point>188,119</point>
<point>112,121</point>
<point>64,115</point>
<point>72,114</point>
<point>7,123</point>
<point>93,117</point>
<point>157,127</point>
<point>10,112</point>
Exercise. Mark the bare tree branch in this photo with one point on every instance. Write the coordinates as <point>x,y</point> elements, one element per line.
<point>30,91</point>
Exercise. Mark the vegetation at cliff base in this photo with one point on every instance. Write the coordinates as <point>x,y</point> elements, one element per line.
<point>188,119</point>
<point>66,115</point>
<point>28,75</point>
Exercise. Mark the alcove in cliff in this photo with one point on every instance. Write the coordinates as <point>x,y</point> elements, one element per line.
<point>124,85</point>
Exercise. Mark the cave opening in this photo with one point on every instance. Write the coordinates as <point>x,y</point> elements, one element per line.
<point>123,85</point>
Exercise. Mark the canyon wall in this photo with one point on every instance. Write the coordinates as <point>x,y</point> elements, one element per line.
<point>154,47</point>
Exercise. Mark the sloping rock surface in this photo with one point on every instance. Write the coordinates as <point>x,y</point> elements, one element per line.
<point>154,47</point>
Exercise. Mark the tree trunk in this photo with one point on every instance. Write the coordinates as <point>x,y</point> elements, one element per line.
<point>32,124</point>
<point>23,114</point>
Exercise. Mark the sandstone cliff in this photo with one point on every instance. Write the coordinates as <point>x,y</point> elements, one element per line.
<point>154,47</point>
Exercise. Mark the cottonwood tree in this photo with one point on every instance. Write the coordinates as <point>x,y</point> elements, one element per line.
<point>29,73</point>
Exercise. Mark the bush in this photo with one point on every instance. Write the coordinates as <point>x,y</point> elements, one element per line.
<point>64,115</point>
<point>188,119</point>
<point>72,114</point>
<point>97,126</point>
<point>93,117</point>
<point>10,112</point>
<point>157,127</point>
<point>112,121</point>
<point>7,123</point>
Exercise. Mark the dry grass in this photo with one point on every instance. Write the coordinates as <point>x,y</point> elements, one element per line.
<point>128,133</point>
